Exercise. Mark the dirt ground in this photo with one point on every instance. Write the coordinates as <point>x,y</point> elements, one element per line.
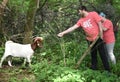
<point>16,74</point>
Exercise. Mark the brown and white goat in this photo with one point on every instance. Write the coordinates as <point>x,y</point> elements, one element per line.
<point>21,50</point>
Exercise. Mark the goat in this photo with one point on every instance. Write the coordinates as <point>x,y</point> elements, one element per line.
<point>21,50</point>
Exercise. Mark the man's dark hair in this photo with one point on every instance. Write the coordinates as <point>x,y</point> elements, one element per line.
<point>83,8</point>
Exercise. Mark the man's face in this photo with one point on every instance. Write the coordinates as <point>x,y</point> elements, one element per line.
<point>81,13</point>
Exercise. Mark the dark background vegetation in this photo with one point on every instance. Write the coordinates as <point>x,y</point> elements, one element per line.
<point>21,20</point>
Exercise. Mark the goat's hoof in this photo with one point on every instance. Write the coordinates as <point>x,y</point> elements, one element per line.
<point>11,65</point>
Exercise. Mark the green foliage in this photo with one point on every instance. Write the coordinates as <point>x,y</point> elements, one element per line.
<point>53,73</point>
<point>19,5</point>
<point>56,60</point>
<point>1,51</point>
<point>17,80</point>
<point>97,76</point>
<point>13,79</point>
<point>48,72</point>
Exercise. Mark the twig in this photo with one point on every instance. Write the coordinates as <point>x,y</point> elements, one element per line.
<point>63,50</point>
<point>85,53</point>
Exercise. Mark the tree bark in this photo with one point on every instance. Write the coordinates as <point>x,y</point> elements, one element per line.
<point>2,7</point>
<point>30,21</point>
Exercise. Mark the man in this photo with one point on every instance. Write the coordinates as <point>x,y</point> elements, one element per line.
<point>108,37</point>
<point>92,26</point>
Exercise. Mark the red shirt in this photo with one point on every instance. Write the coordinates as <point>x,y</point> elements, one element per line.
<point>90,25</point>
<point>108,35</point>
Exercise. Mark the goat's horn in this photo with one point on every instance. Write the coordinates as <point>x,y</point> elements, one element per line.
<point>41,38</point>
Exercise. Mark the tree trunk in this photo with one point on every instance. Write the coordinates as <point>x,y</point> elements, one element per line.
<point>2,7</point>
<point>30,21</point>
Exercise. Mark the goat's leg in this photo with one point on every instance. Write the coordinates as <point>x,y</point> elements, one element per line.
<point>2,59</point>
<point>24,61</point>
<point>29,61</point>
<point>9,61</point>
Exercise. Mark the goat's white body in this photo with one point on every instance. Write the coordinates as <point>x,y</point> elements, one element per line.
<point>17,50</point>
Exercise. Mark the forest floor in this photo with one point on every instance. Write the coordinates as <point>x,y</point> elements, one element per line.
<point>16,74</point>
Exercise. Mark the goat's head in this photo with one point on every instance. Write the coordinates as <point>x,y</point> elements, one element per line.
<point>37,42</point>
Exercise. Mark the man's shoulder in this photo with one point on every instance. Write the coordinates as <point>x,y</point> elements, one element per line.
<point>93,12</point>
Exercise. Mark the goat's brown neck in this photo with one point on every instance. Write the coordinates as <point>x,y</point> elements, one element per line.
<point>33,46</point>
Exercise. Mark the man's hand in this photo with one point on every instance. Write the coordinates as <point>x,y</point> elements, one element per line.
<point>101,29</point>
<point>101,35</point>
<point>60,35</point>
